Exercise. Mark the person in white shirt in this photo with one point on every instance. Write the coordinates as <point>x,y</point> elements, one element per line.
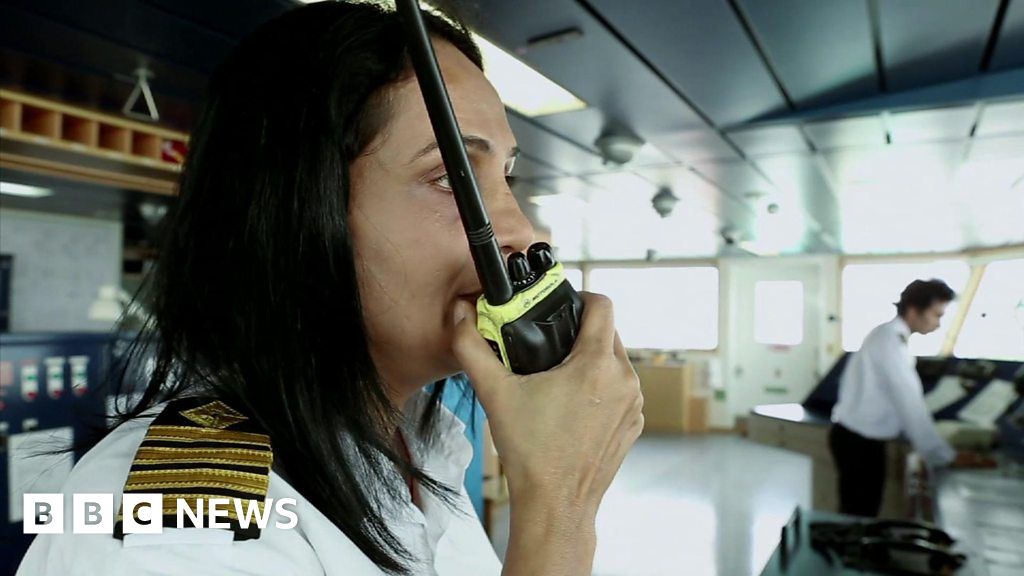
<point>881,398</point>
<point>314,278</point>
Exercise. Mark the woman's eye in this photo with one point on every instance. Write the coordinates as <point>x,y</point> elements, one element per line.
<point>443,182</point>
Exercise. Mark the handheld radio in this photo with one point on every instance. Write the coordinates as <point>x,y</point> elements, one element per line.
<point>529,313</point>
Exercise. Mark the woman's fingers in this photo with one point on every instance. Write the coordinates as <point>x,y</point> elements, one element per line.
<point>620,350</point>
<point>489,377</point>
<point>597,327</point>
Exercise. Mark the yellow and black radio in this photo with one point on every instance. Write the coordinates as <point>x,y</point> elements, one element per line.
<point>529,312</point>
<point>536,328</point>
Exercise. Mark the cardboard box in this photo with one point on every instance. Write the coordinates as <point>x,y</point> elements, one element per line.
<point>671,401</point>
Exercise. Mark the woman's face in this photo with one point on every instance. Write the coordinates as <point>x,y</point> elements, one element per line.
<point>413,261</point>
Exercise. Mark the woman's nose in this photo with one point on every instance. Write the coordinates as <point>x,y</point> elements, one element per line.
<point>511,227</point>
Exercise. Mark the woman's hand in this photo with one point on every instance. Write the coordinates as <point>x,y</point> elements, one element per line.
<point>561,434</point>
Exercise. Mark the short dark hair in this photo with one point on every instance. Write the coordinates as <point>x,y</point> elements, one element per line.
<point>921,294</point>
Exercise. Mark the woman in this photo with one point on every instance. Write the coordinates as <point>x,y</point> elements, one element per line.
<point>315,280</point>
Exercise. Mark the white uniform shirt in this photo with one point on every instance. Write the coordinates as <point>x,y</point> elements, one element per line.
<point>880,394</point>
<point>446,542</point>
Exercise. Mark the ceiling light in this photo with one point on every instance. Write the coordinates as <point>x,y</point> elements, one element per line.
<point>522,88</point>
<point>24,190</point>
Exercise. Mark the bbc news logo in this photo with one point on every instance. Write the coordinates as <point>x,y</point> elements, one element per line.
<point>144,514</point>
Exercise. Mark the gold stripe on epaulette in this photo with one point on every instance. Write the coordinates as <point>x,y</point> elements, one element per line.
<point>171,432</point>
<point>199,476</point>
<point>161,486</point>
<point>236,456</point>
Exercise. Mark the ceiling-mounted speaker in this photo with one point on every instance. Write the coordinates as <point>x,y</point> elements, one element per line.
<point>664,202</point>
<point>618,148</point>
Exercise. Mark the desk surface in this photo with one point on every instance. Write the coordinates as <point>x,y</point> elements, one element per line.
<point>800,559</point>
<point>792,413</point>
<point>984,510</point>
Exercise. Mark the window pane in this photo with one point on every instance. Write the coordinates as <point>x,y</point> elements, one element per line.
<point>779,312</point>
<point>994,327</point>
<point>575,277</point>
<point>871,290</point>
<point>664,308</point>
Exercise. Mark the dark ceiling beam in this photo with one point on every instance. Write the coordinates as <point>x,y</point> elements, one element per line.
<point>758,45</point>
<point>992,86</point>
<point>597,15</point>
<point>993,36</point>
<point>876,43</point>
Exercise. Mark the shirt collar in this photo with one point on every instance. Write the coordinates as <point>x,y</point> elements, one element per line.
<point>445,456</point>
<point>901,327</point>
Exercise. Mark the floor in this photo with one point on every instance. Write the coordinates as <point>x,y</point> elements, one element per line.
<point>700,506</point>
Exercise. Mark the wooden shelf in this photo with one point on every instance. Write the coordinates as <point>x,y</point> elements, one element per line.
<point>49,137</point>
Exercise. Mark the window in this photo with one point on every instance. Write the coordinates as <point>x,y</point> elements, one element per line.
<point>575,277</point>
<point>663,308</point>
<point>870,290</point>
<point>994,326</point>
<point>779,312</point>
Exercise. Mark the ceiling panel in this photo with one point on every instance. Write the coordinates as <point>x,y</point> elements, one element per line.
<point>566,185</point>
<point>909,167</point>
<point>799,177</point>
<point>141,27</point>
<point>695,190</point>
<point>952,123</point>
<point>224,17</point>
<point>822,51</point>
<point>769,140</point>
<point>695,145</point>
<point>1001,118</point>
<point>846,132</point>
<point>1009,51</point>
<point>584,127</point>
<point>633,96</point>
<point>527,168</point>
<point>563,155</point>
<point>997,148</point>
<point>692,42</point>
<point>930,41</point>
<point>738,178</point>
<point>629,184</point>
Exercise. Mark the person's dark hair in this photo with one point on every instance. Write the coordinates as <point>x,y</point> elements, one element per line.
<point>920,294</point>
<point>255,299</point>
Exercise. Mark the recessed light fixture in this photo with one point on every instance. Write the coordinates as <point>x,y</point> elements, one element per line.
<point>24,190</point>
<point>519,86</point>
<point>522,88</point>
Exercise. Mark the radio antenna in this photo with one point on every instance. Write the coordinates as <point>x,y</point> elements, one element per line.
<point>490,268</point>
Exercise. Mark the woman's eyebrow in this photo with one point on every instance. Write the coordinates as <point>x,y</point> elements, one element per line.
<point>471,141</point>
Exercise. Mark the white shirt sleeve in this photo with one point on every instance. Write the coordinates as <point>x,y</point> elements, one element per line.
<point>904,387</point>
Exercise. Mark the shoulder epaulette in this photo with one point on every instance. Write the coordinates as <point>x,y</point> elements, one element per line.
<point>197,450</point>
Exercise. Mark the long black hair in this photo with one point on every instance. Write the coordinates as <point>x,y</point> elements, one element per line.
<point>254,300</point>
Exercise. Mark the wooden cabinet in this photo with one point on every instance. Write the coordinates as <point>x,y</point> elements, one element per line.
<point>811,438</point>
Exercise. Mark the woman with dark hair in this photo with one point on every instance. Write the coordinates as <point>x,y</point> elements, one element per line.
<point>314,282</point>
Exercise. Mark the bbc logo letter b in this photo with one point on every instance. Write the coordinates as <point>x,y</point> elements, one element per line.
<point>94,513</point>
<point>43,514</point>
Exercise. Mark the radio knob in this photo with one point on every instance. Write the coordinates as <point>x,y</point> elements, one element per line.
<point>518,268</point>
<point>541,257</point>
